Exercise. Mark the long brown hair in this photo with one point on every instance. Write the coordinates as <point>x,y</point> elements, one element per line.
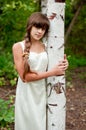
<point>38,20</point>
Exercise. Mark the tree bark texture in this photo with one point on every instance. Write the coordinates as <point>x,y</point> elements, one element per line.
<point>56,103</point>
<point>44,6</point>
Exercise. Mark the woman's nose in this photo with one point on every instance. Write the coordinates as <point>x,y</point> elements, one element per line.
<point>40,30</point>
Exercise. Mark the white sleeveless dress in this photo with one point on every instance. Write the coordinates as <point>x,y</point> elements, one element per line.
<point>30,104</point>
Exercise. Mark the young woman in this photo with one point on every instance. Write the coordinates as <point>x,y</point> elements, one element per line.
<point>31,62</point>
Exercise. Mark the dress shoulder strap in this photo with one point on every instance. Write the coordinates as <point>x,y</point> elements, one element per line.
<point>22,45</point>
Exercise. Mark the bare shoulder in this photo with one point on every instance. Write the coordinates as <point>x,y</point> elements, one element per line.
<point>16,46</point>
<point>17,52</point>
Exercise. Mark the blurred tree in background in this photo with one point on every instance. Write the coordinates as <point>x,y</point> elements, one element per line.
<point>75,23</point>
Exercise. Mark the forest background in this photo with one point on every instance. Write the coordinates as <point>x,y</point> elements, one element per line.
<point>13,17</point>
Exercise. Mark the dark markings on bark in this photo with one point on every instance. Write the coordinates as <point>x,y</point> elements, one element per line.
<point>52,104</point>
<point>49,109</point>
<point>43,6</point>
<point>51,46</point>
<point>61,46</point>
<point>58,88</point>
<point>53,124</point>
<point>62,17</point>
<point>52,16</point>
<point>60,1</point>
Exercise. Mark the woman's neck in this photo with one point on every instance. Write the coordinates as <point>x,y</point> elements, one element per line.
<point>35,42</point>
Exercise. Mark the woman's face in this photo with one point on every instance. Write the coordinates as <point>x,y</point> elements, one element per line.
<point>37,33</point>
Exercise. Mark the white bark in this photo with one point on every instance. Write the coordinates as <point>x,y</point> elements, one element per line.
<point>56,85</point>
<point>44,6</point>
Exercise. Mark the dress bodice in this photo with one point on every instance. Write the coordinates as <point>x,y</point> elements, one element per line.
<point>37,61</point>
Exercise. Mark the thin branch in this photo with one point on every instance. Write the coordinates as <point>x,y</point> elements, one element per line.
<point>72,22</point>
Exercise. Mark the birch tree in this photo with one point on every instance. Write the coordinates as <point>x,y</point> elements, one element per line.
<point>56,103</point>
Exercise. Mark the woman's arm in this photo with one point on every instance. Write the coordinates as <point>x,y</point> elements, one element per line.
<point>57,70</point>
<point>18,60</point>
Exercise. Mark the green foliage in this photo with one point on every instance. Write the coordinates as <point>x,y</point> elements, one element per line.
<point>6,113</point>
<point>76,61</point>
<point>75,46</point>
<point>76,41</point>
<point>2,81</point>
<point>13,16</point>
<point>7,70</point>
<point>68,13</point>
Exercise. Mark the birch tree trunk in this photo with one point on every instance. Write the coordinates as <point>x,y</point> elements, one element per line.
<point>56,112</point>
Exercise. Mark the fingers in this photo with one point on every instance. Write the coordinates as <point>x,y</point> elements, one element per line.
<point>63,65</point>
<point>65,57</point>
<point>66,61</point>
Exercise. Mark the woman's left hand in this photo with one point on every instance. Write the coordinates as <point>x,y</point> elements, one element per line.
<point>65,62</point>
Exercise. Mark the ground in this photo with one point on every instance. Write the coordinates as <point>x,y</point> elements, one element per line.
<point>76,99</point>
